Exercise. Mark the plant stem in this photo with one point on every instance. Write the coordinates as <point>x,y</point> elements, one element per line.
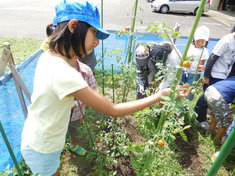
<point>130,46</point>
<point>102,44</point>
<point>86,124</point>
<point>198,64</point>
<point>113,84</point>
<point>172,43</point>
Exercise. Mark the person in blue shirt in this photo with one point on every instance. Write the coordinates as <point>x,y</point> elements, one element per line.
<point>219,96</point>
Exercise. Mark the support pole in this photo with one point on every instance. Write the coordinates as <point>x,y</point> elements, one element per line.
<point>19,83</point>
<point>224,152</point>
<point>102,45</point>
<point>10,149</point>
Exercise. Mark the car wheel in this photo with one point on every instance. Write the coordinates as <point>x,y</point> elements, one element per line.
<point>195,11</point>
<point>164,9</point>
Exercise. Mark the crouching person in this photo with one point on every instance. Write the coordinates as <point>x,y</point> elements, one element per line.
<point>218,97</point>
<point>147,56</point>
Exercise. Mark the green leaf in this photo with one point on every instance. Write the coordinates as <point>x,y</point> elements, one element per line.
<point>166,98</point>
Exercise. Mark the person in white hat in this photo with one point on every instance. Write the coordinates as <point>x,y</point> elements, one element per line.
<point>219,66</point>
<point>199,53</point>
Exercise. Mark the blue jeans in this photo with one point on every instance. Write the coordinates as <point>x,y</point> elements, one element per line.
<point>189,78</point>
<point>201,106</point>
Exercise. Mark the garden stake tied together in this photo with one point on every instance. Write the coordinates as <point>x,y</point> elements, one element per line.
<point>179,70</point>
<point>7,59</point>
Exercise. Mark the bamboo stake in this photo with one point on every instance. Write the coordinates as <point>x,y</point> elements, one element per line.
<point>130,47</point>
<point>10,149</point>
<point>224,152</point>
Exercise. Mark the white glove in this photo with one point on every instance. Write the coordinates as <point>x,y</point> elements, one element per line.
<point>142,91</point>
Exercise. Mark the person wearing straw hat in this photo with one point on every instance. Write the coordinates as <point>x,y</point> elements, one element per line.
<point>57,83</point>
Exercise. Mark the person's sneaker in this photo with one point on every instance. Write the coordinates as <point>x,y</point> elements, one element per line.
<point>204,125</point>
<point>76,149</point>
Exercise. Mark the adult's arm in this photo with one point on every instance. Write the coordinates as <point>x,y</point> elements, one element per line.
<point>209,65</point>
<point>232,72</point>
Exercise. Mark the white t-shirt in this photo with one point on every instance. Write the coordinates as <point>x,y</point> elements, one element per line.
<point>173,60</point>
<point>48,116</point>
<point>196,53</point>
<point>225,48</point>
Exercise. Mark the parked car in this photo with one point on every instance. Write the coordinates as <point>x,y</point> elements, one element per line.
<point>150,1</point>
<point>191,6</point>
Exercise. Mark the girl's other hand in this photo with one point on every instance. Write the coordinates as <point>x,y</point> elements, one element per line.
<point>206,80</point>
<point>201,68</point>
<point>182,91</point>
<point>142,91</point>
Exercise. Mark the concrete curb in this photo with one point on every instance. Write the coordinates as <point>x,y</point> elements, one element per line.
<point>225,17</point>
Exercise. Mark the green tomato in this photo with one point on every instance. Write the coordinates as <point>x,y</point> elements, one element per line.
<point>194,83</point>
<point>193,91</point>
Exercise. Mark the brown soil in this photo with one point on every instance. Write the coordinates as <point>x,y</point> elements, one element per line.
<point>190,158</point>
<point>130,126</point>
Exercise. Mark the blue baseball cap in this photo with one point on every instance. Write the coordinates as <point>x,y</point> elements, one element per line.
<point>81,11</point>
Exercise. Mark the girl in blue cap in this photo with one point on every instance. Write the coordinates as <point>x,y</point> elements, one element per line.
<point>57,83</point>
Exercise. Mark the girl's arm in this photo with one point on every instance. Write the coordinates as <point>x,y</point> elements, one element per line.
<point>209,65</point>
<point>98,102</point>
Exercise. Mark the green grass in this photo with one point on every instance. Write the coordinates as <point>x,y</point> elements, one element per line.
<point>21,48</point>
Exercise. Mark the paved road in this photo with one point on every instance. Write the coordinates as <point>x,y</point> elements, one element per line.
<point>28,18</point>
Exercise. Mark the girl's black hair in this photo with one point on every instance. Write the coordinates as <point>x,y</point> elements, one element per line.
<point>62,40</point>
<point>205,44</point>
<point>50,29</point>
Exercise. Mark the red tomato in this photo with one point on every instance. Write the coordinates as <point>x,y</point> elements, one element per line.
<point>174,132</point>
<point>186,85</point>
